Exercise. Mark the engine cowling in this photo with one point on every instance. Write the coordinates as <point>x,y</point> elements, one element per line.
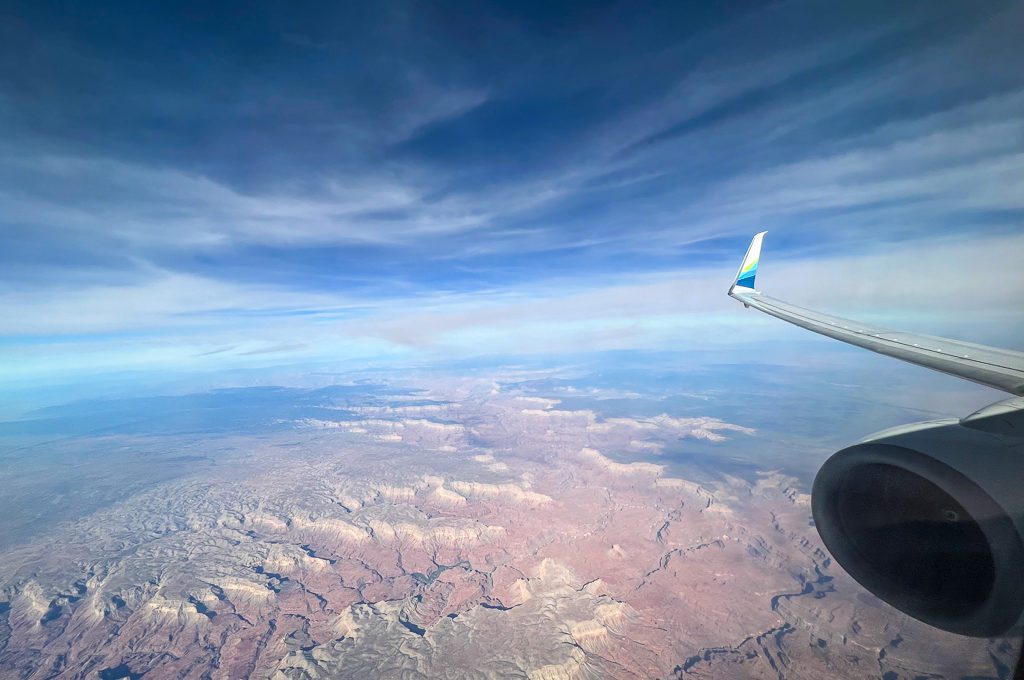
<point>930,518</point>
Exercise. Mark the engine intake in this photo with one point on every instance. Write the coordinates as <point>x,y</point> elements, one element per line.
<point>930,518</point>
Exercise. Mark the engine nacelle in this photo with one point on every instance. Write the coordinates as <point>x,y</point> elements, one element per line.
<point>930,518</point>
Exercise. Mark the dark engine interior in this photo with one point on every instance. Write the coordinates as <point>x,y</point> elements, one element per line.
<point>924,536</point>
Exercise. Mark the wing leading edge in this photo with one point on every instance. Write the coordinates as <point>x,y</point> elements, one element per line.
<point>999,368</point>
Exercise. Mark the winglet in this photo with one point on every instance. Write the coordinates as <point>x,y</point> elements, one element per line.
<point>748,270</point>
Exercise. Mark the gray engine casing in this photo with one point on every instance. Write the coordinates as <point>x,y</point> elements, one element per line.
<point>930,518</point>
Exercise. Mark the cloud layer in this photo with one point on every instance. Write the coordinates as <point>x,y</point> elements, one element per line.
<point>191,185</point>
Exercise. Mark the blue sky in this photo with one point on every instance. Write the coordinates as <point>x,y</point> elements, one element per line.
<point>192,187</point>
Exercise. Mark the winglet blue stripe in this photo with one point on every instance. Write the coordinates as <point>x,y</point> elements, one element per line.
<point>747,280</point>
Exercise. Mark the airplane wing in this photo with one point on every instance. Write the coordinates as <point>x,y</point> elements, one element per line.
<point>999,368</point>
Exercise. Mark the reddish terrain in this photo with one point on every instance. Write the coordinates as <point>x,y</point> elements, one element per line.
<point>485,536</point>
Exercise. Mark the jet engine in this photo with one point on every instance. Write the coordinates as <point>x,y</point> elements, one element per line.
<point>930,518</point>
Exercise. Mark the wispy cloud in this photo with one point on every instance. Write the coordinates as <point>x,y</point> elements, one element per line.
<point>940,286</point>
<point>160,301</point>
<point>402,184</point>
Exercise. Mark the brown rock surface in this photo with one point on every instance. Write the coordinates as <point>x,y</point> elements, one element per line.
<point>494,536</point>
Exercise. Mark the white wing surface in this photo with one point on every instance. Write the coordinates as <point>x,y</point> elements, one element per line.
<point>1002,369</point>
